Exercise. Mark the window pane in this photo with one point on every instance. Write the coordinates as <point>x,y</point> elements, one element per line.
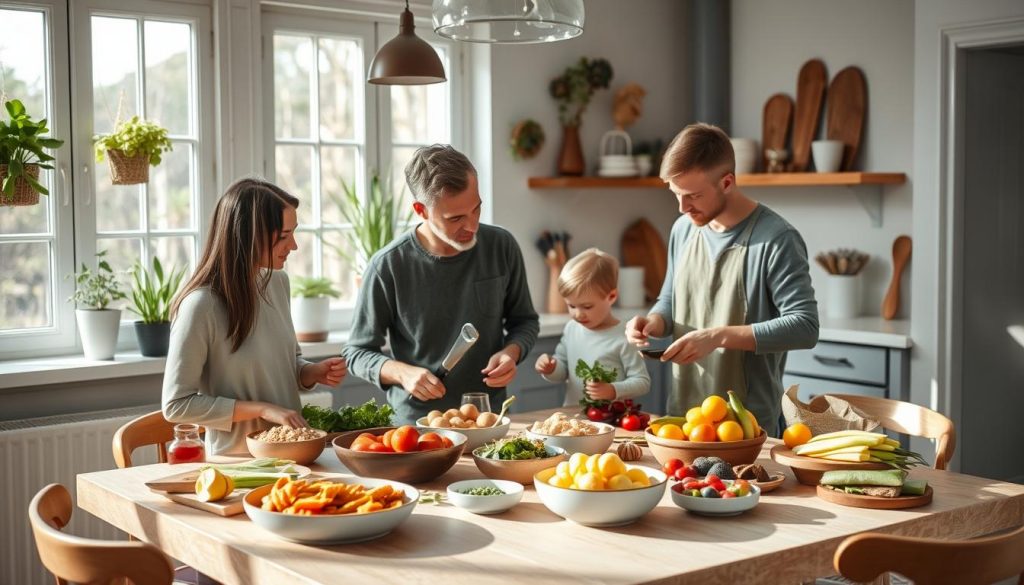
<point>419,113</point>
<point>30,219</point>
<point>117,206</point>
<point>115,71</point>
<point>341,79</point>
<point>338,268</point>
<point>174,252</point>
<point>293,60</point>
<point>25,298</point>
<point>168,75</point>
<point>400,156</point>
<point>295,175</point>
<point>170,190</point>
<point>338,168</point>
<point>300,262</point>
<point>23,59</point>
<point>122,254</point>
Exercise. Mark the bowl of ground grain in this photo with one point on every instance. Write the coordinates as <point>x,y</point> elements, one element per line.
<point>302,446</point>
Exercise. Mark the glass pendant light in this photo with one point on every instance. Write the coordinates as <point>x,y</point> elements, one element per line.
<point>509,21</point>
<point>406,59</point>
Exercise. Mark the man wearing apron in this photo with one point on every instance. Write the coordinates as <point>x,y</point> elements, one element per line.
<point>737,295</point>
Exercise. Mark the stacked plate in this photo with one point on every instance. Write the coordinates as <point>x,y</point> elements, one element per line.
<point>618,165</point>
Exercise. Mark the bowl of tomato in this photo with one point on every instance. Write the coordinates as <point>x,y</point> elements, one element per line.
<point>399,453</point>
<point>711,496</point>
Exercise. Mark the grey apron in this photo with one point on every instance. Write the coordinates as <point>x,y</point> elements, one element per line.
<point>708,294</point>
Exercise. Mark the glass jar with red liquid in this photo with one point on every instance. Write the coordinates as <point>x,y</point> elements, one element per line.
<point>187,446</point>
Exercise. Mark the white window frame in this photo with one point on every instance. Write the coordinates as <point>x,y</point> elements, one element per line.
<point>19,343</point>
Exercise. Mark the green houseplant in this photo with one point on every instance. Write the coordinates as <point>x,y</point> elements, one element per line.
<point>22,154</point>
<point>97,325</point>
<point>132,147</point>
<point>151,296</point>
<point>311,307</point>
<point>572,92</point>
<point>375,222</point>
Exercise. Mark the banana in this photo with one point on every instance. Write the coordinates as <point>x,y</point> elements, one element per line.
<point>674,420</point>
<point>742,416</point>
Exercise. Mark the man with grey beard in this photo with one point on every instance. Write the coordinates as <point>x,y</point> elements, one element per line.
<point>419,290</point>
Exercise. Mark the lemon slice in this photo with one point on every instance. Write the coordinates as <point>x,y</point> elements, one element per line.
<point>213,485</point>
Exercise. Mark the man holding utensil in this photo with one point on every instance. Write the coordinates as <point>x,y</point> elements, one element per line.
<point>450,297</point>
<point>737,295</point>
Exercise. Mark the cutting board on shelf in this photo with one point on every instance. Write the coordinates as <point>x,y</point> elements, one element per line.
<point>846,106</point>
<point>642,245</point>
<point>810,93</point>
<point>778,115</point>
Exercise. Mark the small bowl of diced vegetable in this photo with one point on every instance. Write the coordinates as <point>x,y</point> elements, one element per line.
<point>517,458</point>
<point>485,496</point>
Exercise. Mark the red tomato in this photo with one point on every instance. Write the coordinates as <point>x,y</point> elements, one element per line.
<point>447,442</point>
<point>631,422</point>
<point>405,439</point>
<point>685,472</point>
<point>378,448</point>
<point>386,437</point>
<point>429,441</point>
<point>670,466</point>
<point>728,494</point>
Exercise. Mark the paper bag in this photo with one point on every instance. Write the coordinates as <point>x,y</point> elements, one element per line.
<point>825,413</point>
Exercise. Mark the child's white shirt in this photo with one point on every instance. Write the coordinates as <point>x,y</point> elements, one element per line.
<point>607,346</point>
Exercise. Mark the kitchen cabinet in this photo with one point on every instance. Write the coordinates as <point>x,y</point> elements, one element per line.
<point>848,368</point>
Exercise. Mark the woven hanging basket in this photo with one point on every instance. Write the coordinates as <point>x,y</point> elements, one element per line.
<point>125,170</point>
<point>23,194</point>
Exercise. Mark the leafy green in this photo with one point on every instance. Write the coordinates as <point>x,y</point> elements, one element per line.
<point>22,143</point>
<point>483,491</point>
<point>513,449</point>
<point>310,287</point>
<point>348,418</point>
<point>574,88</point>
<point>134,137</point>
<point>96,289</point>
<point>595,373</point>
<point>375,221</point>
<point>151,293</point>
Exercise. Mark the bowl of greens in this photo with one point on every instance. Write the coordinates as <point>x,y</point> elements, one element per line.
<point>516,458</point>
<point>485,496</point>
<point>347,418</point>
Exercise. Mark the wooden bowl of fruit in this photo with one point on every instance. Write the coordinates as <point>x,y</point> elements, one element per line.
<point>399,454</point>
<point>733,452</point>
<point>717,427</point>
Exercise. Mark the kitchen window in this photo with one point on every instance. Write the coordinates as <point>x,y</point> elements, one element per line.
<point>328,128</point>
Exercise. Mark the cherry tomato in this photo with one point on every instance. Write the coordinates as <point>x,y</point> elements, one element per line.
<point>429,441</point>
<point>685,472</point>
<point>618,406</point>
<point>596,414</point>
<point>670,466</point>
<point>728,494</point>
<point>631,422</point>
<point>405,439</point>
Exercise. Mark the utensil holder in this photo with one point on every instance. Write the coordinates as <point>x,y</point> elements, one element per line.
<point>828,155</point>
<point>843,296</point>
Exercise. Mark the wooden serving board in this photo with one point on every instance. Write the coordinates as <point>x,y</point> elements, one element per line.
<point>778,115</point>
<point>847,105</point>
<point>810,92</point>
<point>642,245</point>
<point>185,482</point>
<point>875,502</point>
<point>229,506</point>
<point>808,470</point>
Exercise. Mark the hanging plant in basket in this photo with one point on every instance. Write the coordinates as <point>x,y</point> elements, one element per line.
<point>132,148</point>
<point>22,141</point>
<point>526,140</point>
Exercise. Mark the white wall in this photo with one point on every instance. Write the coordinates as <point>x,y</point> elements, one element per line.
<point>644,41</point>
<point>770,42</point>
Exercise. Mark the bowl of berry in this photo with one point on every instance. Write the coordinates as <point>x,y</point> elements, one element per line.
<point>713,496</point>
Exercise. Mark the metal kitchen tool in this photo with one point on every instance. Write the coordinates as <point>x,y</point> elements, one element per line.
<point>467,337</point>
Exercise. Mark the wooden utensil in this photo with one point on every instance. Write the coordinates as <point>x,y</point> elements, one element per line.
<point>642,246</point>
<point>810,92</point>
<point>875,502</point>
<point>504,408</point>
<point>847,105</point>
<point>778,115</point>
<point>901,248</point>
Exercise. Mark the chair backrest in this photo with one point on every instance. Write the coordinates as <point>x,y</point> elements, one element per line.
<point>911,419</point>
<point>981,561</point>
<point>148,429</point>
<point>83,560</point>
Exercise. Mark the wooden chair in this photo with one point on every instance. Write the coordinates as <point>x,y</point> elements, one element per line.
<point>84,560</point>
<point>148,429</point>
<point>910,419</point>
<point>980,561</point>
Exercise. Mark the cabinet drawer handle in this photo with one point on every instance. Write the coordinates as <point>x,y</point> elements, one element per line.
<point>832,361</point>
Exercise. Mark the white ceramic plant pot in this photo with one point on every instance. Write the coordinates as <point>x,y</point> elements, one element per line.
<point>745,150</point>
<point>309,314</point>
<point>843,296</point>
<point>98,330</point>
<point>828,155</point>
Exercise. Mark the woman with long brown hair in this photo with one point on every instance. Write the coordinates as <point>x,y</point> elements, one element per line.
<point>233,364</point>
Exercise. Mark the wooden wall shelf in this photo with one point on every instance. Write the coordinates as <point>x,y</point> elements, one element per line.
<point>751,180</point>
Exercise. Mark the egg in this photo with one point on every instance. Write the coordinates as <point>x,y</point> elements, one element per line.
<point>452,413</point>
<point>434,414</point>
<point>469,411</point>
<point>456,422</point>
<point>486,419</point>
<point>439,421</point>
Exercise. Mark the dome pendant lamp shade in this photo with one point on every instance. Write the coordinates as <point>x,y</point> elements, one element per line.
<point>509,21</point>
<point>406,59</point>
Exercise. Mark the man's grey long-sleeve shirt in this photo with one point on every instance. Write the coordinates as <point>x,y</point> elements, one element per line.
<point>418,302</point>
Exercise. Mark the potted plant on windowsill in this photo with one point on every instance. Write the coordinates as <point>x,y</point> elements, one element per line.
<point>22,142</point>
<point>97,325</point>
<point>152,293</point>
<point>375,221</point>
<point>132,148</point>
<point>311,303</point>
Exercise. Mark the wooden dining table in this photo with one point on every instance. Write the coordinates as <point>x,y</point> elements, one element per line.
<point>789,537</point>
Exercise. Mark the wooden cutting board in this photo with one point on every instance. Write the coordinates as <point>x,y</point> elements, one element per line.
<point>846,108</point>
<point>875,502</point>
<point>642,245</point>
<point>778,115</point>
<point>185,482</point>
<point>229,506</point>
<point>810,93</point>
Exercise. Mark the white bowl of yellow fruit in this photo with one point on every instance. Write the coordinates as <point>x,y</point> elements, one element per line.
<point>600,490</point>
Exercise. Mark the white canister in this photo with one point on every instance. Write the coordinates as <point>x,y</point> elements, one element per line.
<point>745,150</point>
<point>98,330</point>
<point>631,286</point>
<point>828,155</point>
<point>843,296</point>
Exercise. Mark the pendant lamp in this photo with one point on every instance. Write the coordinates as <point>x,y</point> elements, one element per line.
<point>406,59</point>
<point>509,21</point>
